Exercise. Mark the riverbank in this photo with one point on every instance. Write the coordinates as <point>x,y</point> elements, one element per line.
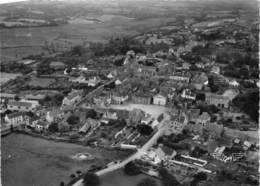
<point>36,161</point>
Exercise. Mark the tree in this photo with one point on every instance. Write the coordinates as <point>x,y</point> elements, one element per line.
<point>53,127</point>
<point>200,96</point>
<point>131,169</point>
<point>167,178</point>
<point>73,120</point>
<point>91,179</point>
<point>78,172</point>
<point>145,130</point>
<point>72,176</point>
<point>200,176</point>
<point>16,98</point>
<point>62,183</point>
<point>147,182</point>
<point>91,114</point>
<point>249,104</point>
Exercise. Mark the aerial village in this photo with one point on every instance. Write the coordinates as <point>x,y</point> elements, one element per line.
<point>179,114</point>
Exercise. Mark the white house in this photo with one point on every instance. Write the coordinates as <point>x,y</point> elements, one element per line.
<point>110,76</point>
<point>14,119</point>
<point>118,82</point>
<point>119,99</point>
<point>233,83</point>
<point>187,94</point>
<point>93,81</point>
<point>159,100</point>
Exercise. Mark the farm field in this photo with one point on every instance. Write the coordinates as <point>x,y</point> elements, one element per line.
<point>20,42</point>
<point>4,77</point>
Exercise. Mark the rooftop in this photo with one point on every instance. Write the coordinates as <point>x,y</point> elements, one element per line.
<point>20,103</point>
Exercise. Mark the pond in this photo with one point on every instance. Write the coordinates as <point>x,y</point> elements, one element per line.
<point>30,161</point>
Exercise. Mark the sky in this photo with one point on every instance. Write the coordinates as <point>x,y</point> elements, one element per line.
<point>9,1</point>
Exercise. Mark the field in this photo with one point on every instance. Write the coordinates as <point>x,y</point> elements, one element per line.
<point>33,161</point>
<point>4,77</point>
<point>41,82</point>
<point>20,42</point>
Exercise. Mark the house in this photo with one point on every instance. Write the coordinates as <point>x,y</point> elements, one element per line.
<point>80,79</point>
<point>180,77</point>
<point>118,82</point>
<point>177,125</point>
<point>6,97</point>
<point>203,119</point>
<point>22,105</point>
<point>73,97</point>
<point>246,145</point>
<point>102,100</point>
<point>130,54</point>
<point>92,82</point>
<point>141,99</point>
<point>119,98</point>
<point>187,94</point>
<point>193,114</point>
<point>147,119</point>
<point>109,115</point>
<point>219,80</point>
<point>215,69</point>
<point>89,124</point>
<point>218,100</point>
<point>159,100</point>
<point>41,126</point>
<point>231,94</point>
<point>200,65</point>
<point>57,65</point>
<point>199,80</point>
<point>15,119</point>
<point>54,116</point>
<point>110,76</point>
<point>185,66</point>
<point>147,70</point>
<point>31,121</point>
<point>233,83</point>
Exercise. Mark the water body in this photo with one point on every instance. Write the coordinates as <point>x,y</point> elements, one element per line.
<point>29,161</point>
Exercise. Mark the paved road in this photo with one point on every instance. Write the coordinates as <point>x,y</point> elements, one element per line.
<point>137,155</point>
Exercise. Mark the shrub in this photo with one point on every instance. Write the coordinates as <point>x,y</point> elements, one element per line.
<point>131,169</point>
<point>147,182</point>
<point>91,179</point>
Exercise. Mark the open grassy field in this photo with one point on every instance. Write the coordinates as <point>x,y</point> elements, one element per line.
<point>28,161</point>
